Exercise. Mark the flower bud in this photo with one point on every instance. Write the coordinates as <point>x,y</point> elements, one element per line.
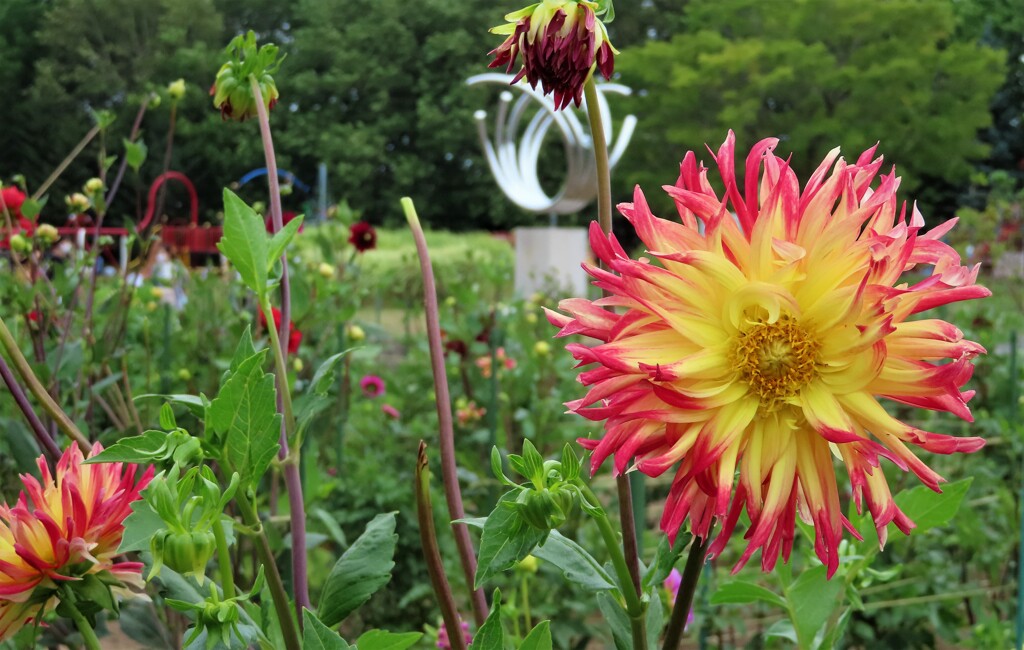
<point>287,189</point>
<point>176,89</point>
<point>77,203</point>
<point>184,552</point>
<point>184,374</point>
<point>20,244</point>
<point>154,101</point>
<point>297,364</point>
<point>355,333</point>
<point>47,234</point>
<point>531,318</point>
<point>326,270</point>
<point>562,43</point>
<point>93,186</point>
<point>232,90</point>
<point>528,564</point>
<point>542,348</point>
<point>544,509</point>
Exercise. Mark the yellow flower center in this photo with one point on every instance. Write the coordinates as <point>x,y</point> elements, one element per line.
<point>776,360</point>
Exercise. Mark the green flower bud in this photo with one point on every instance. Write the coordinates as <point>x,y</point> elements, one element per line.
<point>184,374</point>
<point>77,202</point>
<point>187,553</point>
<point>47,234</point>
<point>232,89</point>
<point>355,333</point>
<point>93,186</point>
<point>176,89</point>
<point>20,244</point>
<point>544,509</point>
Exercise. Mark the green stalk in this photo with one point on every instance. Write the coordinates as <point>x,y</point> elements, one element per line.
<point>227,578</point>
<point>277,591</point>
<point>634,606</point>
<point>37,389</point>
<point>92,642</point>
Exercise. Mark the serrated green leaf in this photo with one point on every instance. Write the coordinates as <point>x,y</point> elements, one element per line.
<point>317,636</point>
<point>363,569</point>
<point>577,566</point>
<point>539,637</point>
<point>491,636</point>
<point>384,640</point>
<point>665,559</point>
<point>281,239</point>
<point>136,449</point>
<point>244,242</point>
<point>244,415</point>
<point>244,350</point>
<point>741,591</point>
<point>134,153</point>
<point>506,539</point>
<point>928,509</point>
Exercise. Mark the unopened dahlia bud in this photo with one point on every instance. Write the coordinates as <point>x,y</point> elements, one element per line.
<point>561,42</point>
<point>176,89</point>
<point>77,203</point>
<point>19,244</point>
<point>232,90</point>
<point>326,270</point>
<point>355,333</point>
<point>47,234</point>
<point>93,186</point>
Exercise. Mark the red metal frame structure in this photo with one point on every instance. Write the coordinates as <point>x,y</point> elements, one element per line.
<point>190,237</point>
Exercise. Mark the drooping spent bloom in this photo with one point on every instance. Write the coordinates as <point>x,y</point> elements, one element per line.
<point>232,90</point>
<point>763,342</point>
<point>372,386</point>
<point>63,527</point>
<point>294,334</point>
<point>445,643</point>
<point>562,42</point>
<point>363,236</point>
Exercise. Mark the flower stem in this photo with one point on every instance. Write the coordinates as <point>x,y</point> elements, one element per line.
<point>449,469</point>
<point>687,588</point>
<point>227,578</point>
<point>432,554</point>
<point>92,642</point>
<point>634,606</point>
<point>292,475</point>
<point>46,443</point>
<point>67,161</point>
<point>277,591</point>
<point>38,390</point>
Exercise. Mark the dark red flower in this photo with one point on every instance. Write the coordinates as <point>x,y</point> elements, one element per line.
<point>562,42</point>
<point>294,334</point>
<point>363,236</point>
<point>286,216</point>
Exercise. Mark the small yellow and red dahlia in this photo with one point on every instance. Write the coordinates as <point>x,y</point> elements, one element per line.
<point>62,528</point>
<point>760,339</point>
<point>562,42</point>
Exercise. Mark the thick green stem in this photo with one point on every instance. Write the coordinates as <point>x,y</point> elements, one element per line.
<point>38,390</point>
<point>634,606</point>
<point>604,178</point>
<point>92,642</point>
<point>227,578</point>
<point>282,606</point>
<point>687,588</point>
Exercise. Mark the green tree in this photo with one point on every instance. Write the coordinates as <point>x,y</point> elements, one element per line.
<point>821,74</point>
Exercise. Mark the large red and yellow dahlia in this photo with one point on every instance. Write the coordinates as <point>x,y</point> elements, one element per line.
<point>61,529</point>
<point>760,339</point>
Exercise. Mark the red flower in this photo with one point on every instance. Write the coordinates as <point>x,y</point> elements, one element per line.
<point>286,216</point>
<point>12,198</point>
<point>372,386</point>
<point>363,236</point>
<point>294,335</point>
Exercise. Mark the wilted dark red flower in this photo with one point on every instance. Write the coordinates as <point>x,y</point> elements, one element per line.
<point>562,42</point>
<point>294,335</point>
<point>363,236</point>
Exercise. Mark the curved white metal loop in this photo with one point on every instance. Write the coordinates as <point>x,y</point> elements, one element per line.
<point>515,163</point>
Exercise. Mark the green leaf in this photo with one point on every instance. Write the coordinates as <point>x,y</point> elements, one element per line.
<point>570,464</point>
<point>31,208</point>
<point>363,569</point>
<point>664,559</point>
<point>490,636</point>
<point>741,591</point>
<point>245,415</point>
<point>167,421</point>
<point>617,620</point>
<point>140,527</point>
<point>384,640</point>
<point>244,350</point>
<point>578,566</point>
<point>244,242</point>
<point>281,239</point>
<point>506,539</point>
<point>655,617</point>
<point>323,378</point>
<point>134,153</point>
<point>136,449</point>
<point>782,629</point>
<point>812,599</point>
<point>539,637</point>
<point>317,636</point>
<point>195,403</point>
<point>929,509</point>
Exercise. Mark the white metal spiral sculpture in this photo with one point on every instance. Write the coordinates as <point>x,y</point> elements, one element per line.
<point>514,164</point>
